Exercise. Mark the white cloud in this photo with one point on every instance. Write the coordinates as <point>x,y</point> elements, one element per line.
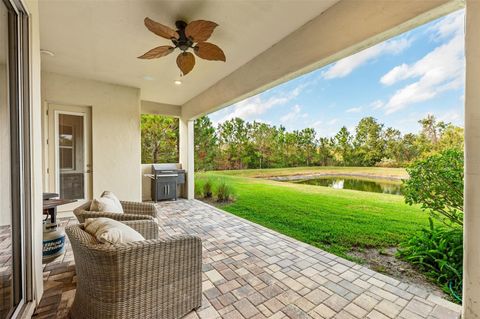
<point>294,113</point>
<point>377,104</point>
<point>251,108</point>
<point>453,24</point>
<point>332,122</point>
<point>450,117</point>
<point>345,66</point>
<point>354,110</point>
<point>400,72</point>
<point>438,71</point>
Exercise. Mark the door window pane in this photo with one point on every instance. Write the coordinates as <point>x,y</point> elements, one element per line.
<point>71,153</point>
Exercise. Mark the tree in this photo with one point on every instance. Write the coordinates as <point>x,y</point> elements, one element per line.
<point>343,146</point>
<point>262,137</point>
<point>233,138</point>
<point>206,148</point>
<point>369,143</point>
<point>307,145</point>
<point>436,183</point>
<point>159,138</point>
<point>237,144</point>
<point>431,128</point>
<point>408,148</point>
<point>452,138</point>
<point>325,151</point>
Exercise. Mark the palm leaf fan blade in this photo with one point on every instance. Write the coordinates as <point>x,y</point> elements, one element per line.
<point>209,51</point>
<point>200,30</point>
<point>160,29</point>
<point>157,52</point>
<point>186,62</point>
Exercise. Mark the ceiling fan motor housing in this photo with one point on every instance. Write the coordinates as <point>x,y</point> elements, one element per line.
<point>183,43</point>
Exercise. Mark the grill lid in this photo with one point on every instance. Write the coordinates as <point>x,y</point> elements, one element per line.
<point>166,167</point>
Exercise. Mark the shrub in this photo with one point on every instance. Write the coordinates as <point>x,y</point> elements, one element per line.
<point>198,188</point>
<point>438,251</point>
<point>436,183</point>
<point>224,192</point>
<point>207,189</point>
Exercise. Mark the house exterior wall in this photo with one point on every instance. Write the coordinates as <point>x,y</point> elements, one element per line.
<point>116,153</point>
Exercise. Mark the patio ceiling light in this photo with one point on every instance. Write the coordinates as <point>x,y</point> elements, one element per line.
<point>177,82</point>
<point>187,36</point>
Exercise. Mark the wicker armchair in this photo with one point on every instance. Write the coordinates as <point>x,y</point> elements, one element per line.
<point>131,211</point>
<point>155,278</point>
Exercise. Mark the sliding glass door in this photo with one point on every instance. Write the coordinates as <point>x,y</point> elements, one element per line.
<point>14,151</point>
<point>6,249</point>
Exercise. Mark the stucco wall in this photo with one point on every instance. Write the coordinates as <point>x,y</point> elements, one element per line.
<point>116,151</point>
<point>146,182</point>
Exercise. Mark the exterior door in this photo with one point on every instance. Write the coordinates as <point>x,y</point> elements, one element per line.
<point>70,169</point>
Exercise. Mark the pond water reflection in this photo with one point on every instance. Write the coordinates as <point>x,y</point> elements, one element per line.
<point>359,184</point>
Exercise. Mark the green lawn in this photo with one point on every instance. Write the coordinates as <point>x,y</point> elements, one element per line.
<point>335,220</point>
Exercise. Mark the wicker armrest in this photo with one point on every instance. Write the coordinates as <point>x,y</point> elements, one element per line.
<point>148,228</point>
<point>139,208</point>
<point>83,215</point>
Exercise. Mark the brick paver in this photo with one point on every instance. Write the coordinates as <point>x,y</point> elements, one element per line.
<point>254,272</point>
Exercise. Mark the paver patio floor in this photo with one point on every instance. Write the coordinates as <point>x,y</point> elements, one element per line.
<point>253,272</point>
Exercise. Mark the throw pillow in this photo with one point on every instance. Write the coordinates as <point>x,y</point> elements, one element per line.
<point>110,231</point>
<point>111,195</point>
<point>108,202</point>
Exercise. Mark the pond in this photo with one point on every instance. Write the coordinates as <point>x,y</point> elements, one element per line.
<point>359,184</point>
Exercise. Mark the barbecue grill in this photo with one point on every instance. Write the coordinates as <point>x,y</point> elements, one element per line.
<point>165,181</point>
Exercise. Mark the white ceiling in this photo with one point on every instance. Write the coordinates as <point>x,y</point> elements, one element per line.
<point>100,39</point>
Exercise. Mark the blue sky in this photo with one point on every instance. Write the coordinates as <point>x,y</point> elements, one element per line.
<point>398,82</point>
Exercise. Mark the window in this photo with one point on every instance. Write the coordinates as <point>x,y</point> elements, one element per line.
<point>67,147</point>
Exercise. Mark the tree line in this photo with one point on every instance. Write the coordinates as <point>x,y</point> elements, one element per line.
<point>238,144</point>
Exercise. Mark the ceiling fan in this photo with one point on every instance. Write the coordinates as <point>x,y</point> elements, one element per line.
<point>187,36</point>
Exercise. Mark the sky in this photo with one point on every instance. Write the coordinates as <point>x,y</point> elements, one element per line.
<point>398,82</point>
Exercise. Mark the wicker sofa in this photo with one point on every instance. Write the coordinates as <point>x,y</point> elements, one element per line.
<point>131,211</point>
<point>155,278</point>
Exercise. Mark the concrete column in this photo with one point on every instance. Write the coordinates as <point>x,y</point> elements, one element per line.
<point>471,261</point>
<point>187,156</point>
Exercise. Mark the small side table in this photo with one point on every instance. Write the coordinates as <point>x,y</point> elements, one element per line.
<point>50,207</point>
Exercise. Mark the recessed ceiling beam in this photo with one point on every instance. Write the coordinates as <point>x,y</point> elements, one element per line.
<point>149,107</point>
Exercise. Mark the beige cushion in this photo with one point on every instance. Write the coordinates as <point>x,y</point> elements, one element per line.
<point>108,202</point>
<point>109,194</point>
<point>110,231</point>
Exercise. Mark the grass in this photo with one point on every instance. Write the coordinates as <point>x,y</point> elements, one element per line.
<point>335,220</point>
